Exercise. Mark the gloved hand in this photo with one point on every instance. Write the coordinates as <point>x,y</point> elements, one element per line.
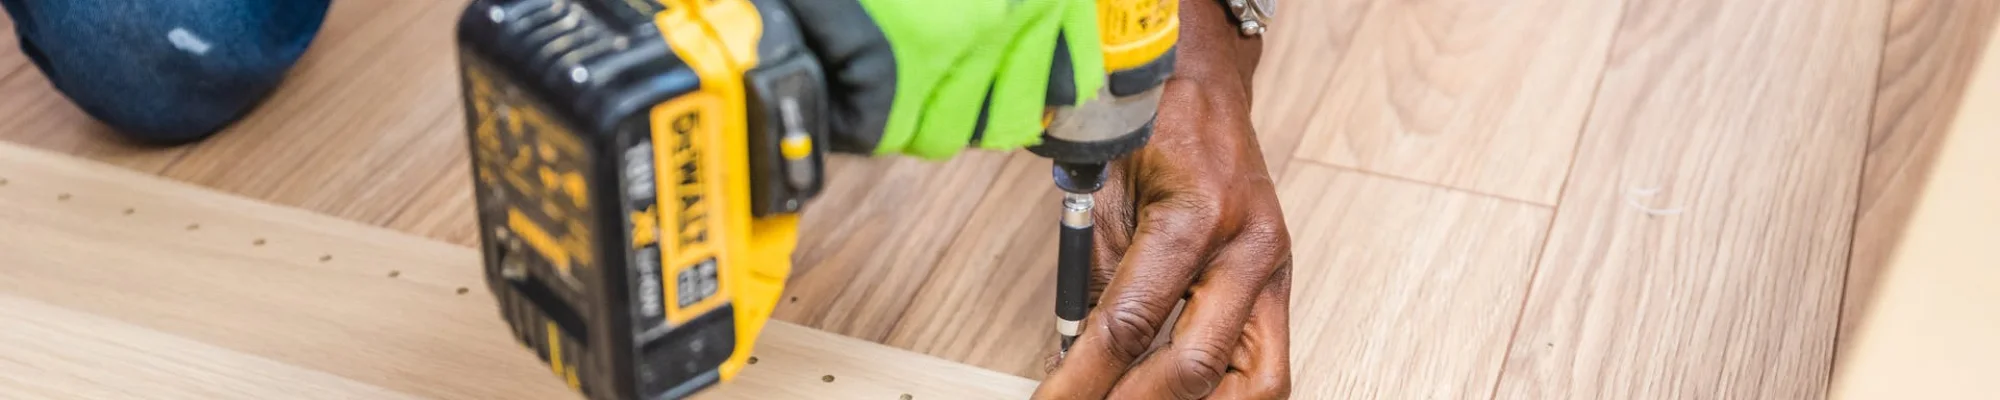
<point>1194,216</point>
<point>929,78</point>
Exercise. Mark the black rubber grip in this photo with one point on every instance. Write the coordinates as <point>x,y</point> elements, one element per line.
<point>1073,273</point>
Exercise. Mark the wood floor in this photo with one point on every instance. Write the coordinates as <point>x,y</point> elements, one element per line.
<point>1521,199</point>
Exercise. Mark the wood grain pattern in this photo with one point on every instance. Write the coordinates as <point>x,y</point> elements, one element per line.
<point>1481,95</point>
<point>1929,333</point>
<point>1699,246</point>
<point>57,353</point>
<point>352,38</point>
<point>331,144</point>
<point>12,61</point>
<point>991,301</point>
<point>1931,50</point>
<point>226,282</point>
<point>1299,59</point>
<point>869,243</point>
<point>1402,290</point>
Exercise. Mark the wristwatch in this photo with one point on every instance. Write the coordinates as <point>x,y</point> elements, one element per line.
<point>1252,16</point>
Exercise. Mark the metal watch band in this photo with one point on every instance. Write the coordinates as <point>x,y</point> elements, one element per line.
<point>1252,16</point>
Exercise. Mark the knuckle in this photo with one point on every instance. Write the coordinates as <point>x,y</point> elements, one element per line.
<point>1270,241</point>
<point>1198,369</point>
<point>1131,325</point>
<point>1186,218</point>
<point>1273,385</point>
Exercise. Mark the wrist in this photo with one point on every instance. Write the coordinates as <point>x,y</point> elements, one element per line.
<point>1212,47</point>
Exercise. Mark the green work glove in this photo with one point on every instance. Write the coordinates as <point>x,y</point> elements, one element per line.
<point>929,78</point>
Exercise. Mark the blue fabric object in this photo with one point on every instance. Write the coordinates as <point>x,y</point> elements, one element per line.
<point>166,71</point>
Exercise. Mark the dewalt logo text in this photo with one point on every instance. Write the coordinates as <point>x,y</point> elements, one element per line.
<point>687,156</point>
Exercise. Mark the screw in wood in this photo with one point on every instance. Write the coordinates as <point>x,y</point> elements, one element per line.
<point>828,378</point>
<point>753,360</point>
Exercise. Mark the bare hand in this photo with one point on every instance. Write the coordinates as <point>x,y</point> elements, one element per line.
<point>1194,216</point>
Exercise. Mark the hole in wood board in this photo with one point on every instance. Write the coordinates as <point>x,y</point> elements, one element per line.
<point>827,378</point>
<point>258,242</point>
<point>795,299</point>
<point>62,197</point>
<point>325,257</point>
<point>753,360</point>
<point>393,274</point>
<point>463,290</point>
<point>907,396</point>
<point>193,226</point>
<point>3,181</point>
<point>130,211</point>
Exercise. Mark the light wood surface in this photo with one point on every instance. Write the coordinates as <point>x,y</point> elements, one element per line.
<point>187,293</point>
<point>1524,199</point>
<point>1698,248</point>
<point>1480,95</point>
<point>1933,46</point>
<point>1930,327</point>
<point>1299,62</point>
<point>1429,283</point>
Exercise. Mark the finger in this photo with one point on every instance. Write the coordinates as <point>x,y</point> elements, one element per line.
<point>1194,362</point>
<point>1113,221</point>
<point>1261,367</point>
<point>1172,237</point>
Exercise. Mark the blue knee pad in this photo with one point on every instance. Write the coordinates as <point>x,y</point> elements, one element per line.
<point>165,71</point>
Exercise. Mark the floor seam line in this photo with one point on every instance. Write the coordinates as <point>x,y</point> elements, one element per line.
<point>1435,185</point>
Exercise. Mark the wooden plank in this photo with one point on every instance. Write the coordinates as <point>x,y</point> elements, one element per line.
<point>1486,96</point>
<point>1699,245</point>
<point>993,305</point>
<point>12,61</point>
<point>1933,47</point>
<point>1299,57</point>
<point>32,112</point>
<point>869,243</point>
<point>359,125</point>
<point>1929,329</point>
<point>1402,290</point>
<point>244,281</point>
<point>56,353</point>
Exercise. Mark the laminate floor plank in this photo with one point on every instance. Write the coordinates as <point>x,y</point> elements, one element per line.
<point>1298,59</point>
<point>1931,51</point>
<point>1699,246</point>
<point>1402,290</point>
<point>1486,96</point>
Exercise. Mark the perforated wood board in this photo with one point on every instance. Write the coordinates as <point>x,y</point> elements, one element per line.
<point>119,285</point>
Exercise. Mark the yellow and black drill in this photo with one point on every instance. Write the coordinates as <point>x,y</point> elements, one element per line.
<point>640,165</point>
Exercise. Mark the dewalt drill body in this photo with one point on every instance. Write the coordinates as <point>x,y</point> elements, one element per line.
<point>639,166</point>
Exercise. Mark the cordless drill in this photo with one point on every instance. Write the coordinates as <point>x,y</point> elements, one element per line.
<point>639,167</point>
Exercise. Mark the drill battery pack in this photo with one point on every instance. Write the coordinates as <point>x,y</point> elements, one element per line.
<point>638,167</point>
